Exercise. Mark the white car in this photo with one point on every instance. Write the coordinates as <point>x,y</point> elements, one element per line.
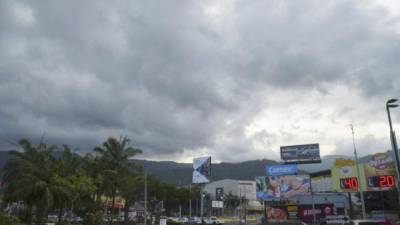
<point>368,222</point>
<point>214,221</point>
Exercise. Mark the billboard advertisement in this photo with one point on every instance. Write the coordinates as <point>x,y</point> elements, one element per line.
<point>305,212</point>
<point>292,186</point>
<point>278,213</point>
<point>282,212</point>
<point>380,172</point>
<point>276,170</point>
<point>268,187</point>
<point>301,153</point>
<point>219,194</point>
<point>344,176</point>
<point>282,187</point>
<point>321,184</point>
<point>201,170</point>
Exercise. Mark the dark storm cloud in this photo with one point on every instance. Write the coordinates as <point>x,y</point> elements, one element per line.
<point>176,75</point>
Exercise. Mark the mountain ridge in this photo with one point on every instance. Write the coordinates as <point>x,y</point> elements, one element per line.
<point>181,173</point>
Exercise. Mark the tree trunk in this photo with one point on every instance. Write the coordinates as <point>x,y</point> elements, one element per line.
<point>29,214</point>
<point>39,215</point>
<point>60,215</point>
<point>112,206</point>
<point>126,211</point>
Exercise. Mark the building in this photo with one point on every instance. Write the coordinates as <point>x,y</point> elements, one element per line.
<point>239,188</point>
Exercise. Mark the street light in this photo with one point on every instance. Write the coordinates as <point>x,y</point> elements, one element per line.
<point>389,104</point>
<point>364,214</point>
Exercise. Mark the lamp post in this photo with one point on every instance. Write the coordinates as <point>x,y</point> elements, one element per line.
<point>390,104</point>
<point>364,214</point>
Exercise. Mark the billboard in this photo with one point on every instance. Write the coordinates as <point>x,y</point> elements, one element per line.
<point>276,170</point>
<point>380,172</point>
<point>282,187</point>
<point>278,213</point>
<point>292,186</point>
<point>268,187</point>
<point>301,153</point>
<point>344,176</point>
<point>201,170</point>
<point>219,194</point>
<point>305,212</point>
<point>282,212</point>
<point>321,184</point>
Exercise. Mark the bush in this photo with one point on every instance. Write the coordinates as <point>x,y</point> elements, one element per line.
<point>93,219</point>
<point>8,220</point>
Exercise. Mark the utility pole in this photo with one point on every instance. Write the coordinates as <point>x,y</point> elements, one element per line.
<point>364,214</point>
<point>145,199</point>
<point>313,204</point>
<point>391,104</point>
<point>190,201</point>
<point>202,204</point>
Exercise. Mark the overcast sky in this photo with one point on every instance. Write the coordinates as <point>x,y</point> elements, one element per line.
<point>234,79</point>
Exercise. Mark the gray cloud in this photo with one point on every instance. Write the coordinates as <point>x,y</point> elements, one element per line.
<point>178,76</point>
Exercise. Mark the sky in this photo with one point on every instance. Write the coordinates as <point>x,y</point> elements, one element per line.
<point>233,79</point>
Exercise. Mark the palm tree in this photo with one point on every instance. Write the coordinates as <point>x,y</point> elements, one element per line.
<point>29,177</point>
<point>71,174</point>
<point>116,155</point>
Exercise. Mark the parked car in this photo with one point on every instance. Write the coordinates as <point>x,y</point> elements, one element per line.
<point>369,222</point>
<point>214,221</point>
<point>52,218</point>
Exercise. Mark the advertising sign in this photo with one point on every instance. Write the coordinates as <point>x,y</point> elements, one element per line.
<point>278,213</point>
<point>275,170</point>
<point>268,187</point>
<point>344,176</point>
<point>380,172</point>
<point>321,184</point>
<point>217,204</point>
<point>301,153</point>
<point>292,186</point>
<point>219,194</point>
<point>306,212</point>
<point>201,170</point>
<point>282,187</point>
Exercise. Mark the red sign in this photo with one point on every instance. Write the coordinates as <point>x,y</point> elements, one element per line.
<point>381,181</point>
<point>306,212</point>
<point>349,183</point>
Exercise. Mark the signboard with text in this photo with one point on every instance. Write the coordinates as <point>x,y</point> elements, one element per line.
<point>282,187</point>
<point>276,170</point>
<point>301,153</point>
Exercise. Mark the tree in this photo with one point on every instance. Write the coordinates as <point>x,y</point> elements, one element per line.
<point>29,177</point>
<point>131,190</point>
<point>231,201</point>
<point>115,156</point>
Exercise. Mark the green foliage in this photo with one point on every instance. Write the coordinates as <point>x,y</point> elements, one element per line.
<point>93,219</point>
<point>8,220</point>
<point>49,178</point>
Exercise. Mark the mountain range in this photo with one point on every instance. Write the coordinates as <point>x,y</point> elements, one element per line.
<point>181,173</point>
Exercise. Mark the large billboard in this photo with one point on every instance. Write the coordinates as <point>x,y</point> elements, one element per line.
<point>276,170</point>
<point>376,175</point>
<point>201,170</point>
<point>282,187</point>
<point>380,172</point>
<point>321,184</point>
<point>294,185</point>
<point>301,153</point>
<point>268,187</point>
<point>344,176</point>
<point>306,212</point>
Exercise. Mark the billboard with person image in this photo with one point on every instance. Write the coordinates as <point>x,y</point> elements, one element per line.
<point>294,185</point>
<point>282,187</point>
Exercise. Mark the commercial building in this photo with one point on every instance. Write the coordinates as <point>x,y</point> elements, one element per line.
<point>239,188</point>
